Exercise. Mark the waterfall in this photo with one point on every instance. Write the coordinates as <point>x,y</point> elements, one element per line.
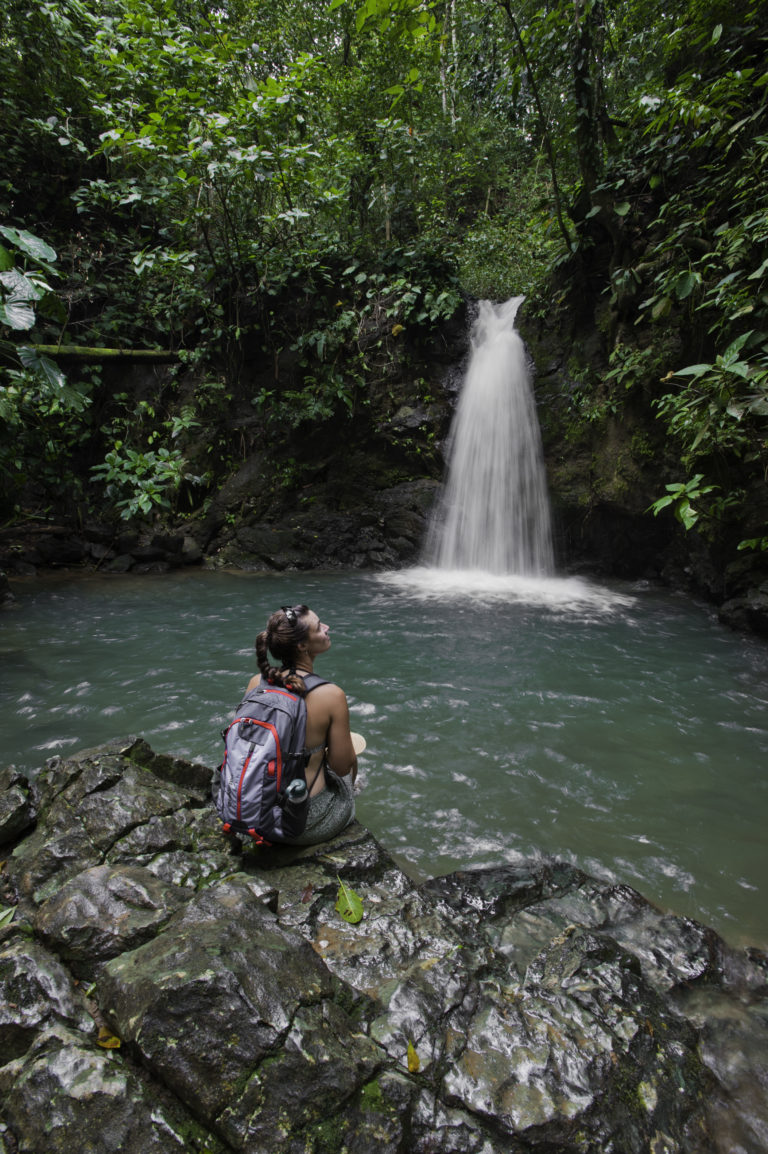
<point>493,513</point>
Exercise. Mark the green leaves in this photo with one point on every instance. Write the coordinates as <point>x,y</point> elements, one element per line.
<point>22,290</point>
<point>139,481</point>
<point>680,497</point>
<point>348,904</point>
<point>413,17</point>
<point>714,411</point>
<point>42,366</point>
<point>30,245</point>
<point>7,914</point>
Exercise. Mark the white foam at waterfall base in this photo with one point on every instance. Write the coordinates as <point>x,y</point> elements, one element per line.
<point>560,594</point>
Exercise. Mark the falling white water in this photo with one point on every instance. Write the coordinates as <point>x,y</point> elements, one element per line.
<point>493,514</point>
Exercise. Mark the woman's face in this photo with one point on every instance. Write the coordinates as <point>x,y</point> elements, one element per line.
<point>317,639</point>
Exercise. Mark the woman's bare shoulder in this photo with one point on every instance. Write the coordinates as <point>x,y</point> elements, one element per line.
<point>328,691</point>
<point>328,697</point>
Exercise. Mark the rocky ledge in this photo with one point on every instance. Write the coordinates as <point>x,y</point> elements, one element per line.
<point>164,990</point>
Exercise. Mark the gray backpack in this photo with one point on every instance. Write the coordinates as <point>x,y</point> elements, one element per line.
<point>262,789</point>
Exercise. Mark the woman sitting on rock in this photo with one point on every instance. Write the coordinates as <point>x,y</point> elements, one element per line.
<point>295,637</point>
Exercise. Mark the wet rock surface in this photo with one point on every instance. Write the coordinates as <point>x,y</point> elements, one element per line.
<point>163,988</point>
<point>50,546</point>
<point>747,613</point>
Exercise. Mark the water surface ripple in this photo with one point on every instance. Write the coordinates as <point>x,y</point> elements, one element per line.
<point>623,728</point>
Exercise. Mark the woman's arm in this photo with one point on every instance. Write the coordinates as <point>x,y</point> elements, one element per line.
<point>342,758</point>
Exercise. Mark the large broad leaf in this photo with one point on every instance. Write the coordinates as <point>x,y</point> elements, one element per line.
<point>42,366</point>
<point>20,286</point>
<point>26,242</point>
<point>17,314</point>
<point>684,284</point>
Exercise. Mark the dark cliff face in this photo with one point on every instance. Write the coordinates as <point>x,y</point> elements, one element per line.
<point>164,990</point>
<point>609,459</point>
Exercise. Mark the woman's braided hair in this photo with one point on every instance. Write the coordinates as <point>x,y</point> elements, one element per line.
<point>285,631</point>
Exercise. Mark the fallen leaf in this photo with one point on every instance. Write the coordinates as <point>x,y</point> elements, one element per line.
<point>414,1065</point>
<point>348,904</point>
<point>107,1040</point>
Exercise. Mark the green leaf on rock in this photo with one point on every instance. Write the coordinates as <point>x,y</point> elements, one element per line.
<point>348,904</point>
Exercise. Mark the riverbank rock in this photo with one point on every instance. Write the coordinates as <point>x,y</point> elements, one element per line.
<point>164,988</point>
<point>24,549</point>
<point>749,612</point>
<point>6,593</point>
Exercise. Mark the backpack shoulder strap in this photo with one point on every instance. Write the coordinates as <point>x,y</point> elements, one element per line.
<point>312,681</point>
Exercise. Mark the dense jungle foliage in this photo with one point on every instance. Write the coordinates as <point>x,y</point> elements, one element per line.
<point>197,186</point>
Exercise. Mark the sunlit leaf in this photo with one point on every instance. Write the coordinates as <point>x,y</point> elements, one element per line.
<point>7,915</point>
<point>692,370</point>
<point>17,314</point>
<point>686,514</point>
<point>20,286</point>
<point>759,272</point>
<point>26,242</point>
<point>348,904</point>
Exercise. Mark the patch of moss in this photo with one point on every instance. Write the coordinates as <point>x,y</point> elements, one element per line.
<point>371,1097</point>
<point>328,1136</point>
